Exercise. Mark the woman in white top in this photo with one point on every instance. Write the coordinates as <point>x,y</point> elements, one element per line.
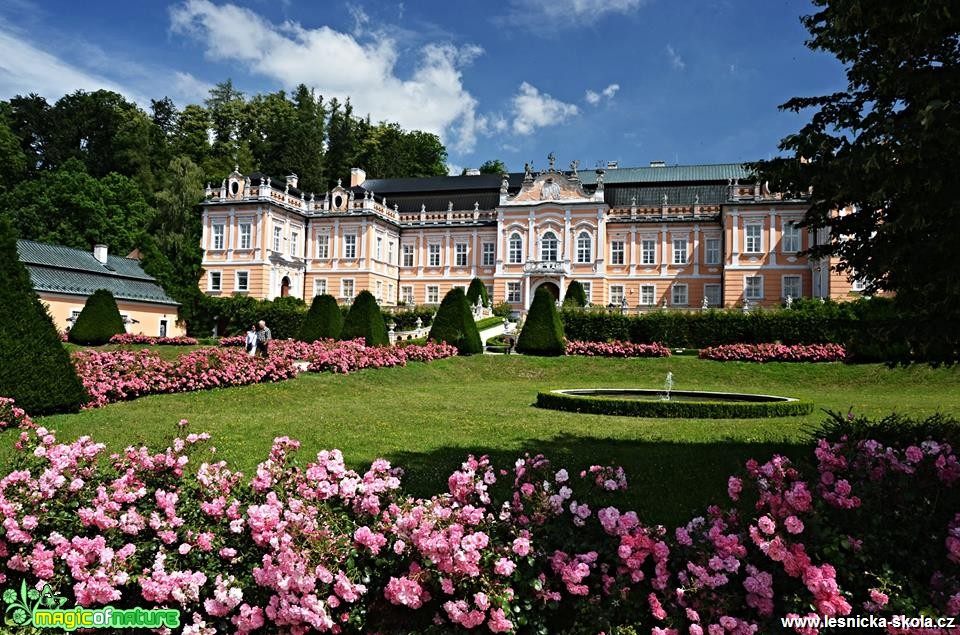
<point>251,342</point>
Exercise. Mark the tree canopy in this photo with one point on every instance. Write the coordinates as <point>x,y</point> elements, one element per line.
<point>884,151</point>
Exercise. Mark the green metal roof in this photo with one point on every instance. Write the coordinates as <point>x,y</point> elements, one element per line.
<point>668,174</point>
<point>58,269</point>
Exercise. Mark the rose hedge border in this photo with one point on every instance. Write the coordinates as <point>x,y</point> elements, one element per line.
<point>673,409</point>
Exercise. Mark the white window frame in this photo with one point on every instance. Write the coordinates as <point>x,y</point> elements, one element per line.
<point>319,286</point>
<point>433,255</point>
<point>245,288</point>
<point>489,254</point>
<point>588,291</point>
<point>350,246</point>
<point>407,255</point>
<point>648,251</point>
<point>753,243</point>
<point>379,248</point>
<point>390,252</point>
<point>617,252</point>
<point>295,243</point>
<point>617,294</point>
<point>792,238</point>
<point>378,292</point>
<point>391,298</point>
<point>277,238</point>
<point>757,293</point>
<point>799,286</point>
<point>514,293</point>
<point>680,255</point>
<point>584,247</point>
<point>515,248</point>
<point>433,294</point>
<point>348,288</point>
<point>460,254</point>
<point>323,246</point>
<point>219,236</point>
<point>406,294</point>
<point>675,298</point>
<point>712,256</point>
<point>549,247</point>
<point>648,294</point>
<point>246,235</point>
<point>719,294</point>
<point>219,278</point>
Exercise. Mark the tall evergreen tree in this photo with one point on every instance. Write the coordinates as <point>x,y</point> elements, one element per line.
<point>324,320</point>
<point>342,142</point>
<point>576,295</point>
<point>307,140</point>
<point>99,320</point>
<point>542,332</point>
<point>365,320</point>
<point>454,324</point>
<point>477,291</point>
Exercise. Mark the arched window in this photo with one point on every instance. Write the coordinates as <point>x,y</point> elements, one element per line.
<point>584,248</point>
<point>548,247</point>
<point>516,248</point>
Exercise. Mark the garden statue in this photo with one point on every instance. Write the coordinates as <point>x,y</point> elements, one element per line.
<point>789,300</point>
<point>705,304</point>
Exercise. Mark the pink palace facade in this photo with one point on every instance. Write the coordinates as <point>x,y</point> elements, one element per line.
<point>675,237</point>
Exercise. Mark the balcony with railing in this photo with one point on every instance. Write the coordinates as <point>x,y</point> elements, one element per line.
<point>548,267</point>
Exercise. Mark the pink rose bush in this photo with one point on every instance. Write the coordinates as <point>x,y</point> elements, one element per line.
<point>313,546</point>
<point>111,376</point>
<point>616,349</point>
<point>152,340</point>
<point>775,353</point>
<point>232,340</point>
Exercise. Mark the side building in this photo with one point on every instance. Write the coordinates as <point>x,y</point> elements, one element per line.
<point>638,239</point>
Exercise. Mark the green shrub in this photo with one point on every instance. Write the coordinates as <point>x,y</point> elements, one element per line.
<point>477,290</point>
<point>503,309</point>
<point>499,340</point>
<point>365,320</point>
<point>486,323</point>
<point>417,341</point>
<point>284,316</point>
<point>454,324</point>
<point>542,332</point>
<point>98,321</point>
<point>323,321</point>
<point>406,320</point>
<point>672,409</point>
<point>576,295</point>
<point>235,314</point>
<point>35,368</point>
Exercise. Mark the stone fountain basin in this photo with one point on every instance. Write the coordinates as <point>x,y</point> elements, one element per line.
<point>691,404</point>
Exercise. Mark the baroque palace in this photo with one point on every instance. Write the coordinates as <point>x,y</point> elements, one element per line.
<point>642,238</point>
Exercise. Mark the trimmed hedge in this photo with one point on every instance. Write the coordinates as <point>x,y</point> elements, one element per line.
<point>673,409</point>
<point>575,296</point>
<point>365,320</point>
<point>486,323</point>
<point>542,332</point>
<point>98,321</point>
<point>323,321</point>
<point>454,324</point>
<point>477,290</point>
<point>35,368</point>
<point>406,320</point>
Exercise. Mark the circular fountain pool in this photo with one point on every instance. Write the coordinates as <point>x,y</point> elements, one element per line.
<point>690,404</point>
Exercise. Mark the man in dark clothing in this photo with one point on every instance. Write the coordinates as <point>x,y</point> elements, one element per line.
<point>263,339</point>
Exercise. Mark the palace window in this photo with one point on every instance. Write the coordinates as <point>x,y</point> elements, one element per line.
<point>390,252</point>
<point>346,288</point>
<point>434,255</point>
<point>584,248</point>
<point>679,295</point>
<point>323,246</point>
<point>319,286</point>
<point>379,248</point>
<point>294,244</point>
<point>277,237</point>
<point>215,280</point>
<point>791,238</point>
<point>679,251</point>
<point>588,291</point>
<point>460,254</point>
<point>406,294</point>
<point>548,247</point>
<point>243,281</point>
<point>712,251</point>
<point>246,232</point>
<point>648,294</point>
<point>390,296</point>
<point>791,287</point>
<point>616,294</point>
<point>513,293</point>
<point>350,247</point>
<point>408,255</point>
<point>516,249</point>
<point>712,293</point>
<point>753,287</point>
<point>379,291</point>
<point>648,251</point>
<point>218,233</point>
<point>616,252</point>
<point>754,238</point>
<point>489,254</point>
<point>433,294</point>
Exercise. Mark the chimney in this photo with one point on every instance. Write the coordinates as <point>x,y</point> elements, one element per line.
<point>292,180</point>
<point>658,164</point>
<point>357,177</point>
<point>100,253</point>
<point>473,172</point>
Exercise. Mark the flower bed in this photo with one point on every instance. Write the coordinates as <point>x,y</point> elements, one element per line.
<point>233,340</point>
<point>616,349</point>
<point>775,353</point>
<point>133,338</point>
<point>321,548</point>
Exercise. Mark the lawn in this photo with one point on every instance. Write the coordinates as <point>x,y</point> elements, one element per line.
<point>428,417</point>
<point>169,353</point>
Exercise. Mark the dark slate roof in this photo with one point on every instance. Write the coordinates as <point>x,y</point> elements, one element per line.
<point>58,269</point>
<point>441,184</point>
<point>669,174</point>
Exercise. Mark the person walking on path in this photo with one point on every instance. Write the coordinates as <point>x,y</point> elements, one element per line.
<point>251,342</point>
<point>263,339</point>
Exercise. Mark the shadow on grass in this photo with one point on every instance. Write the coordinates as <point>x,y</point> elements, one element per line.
<point>669,482</point>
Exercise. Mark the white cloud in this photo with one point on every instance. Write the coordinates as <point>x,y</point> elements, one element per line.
<point>454,170</point>
<point>190,88</point>
<point>533,109</point>
<point>342,65</point>
<point>593,98</point>
<point>551,15</point>
<point>675,60</point>
<point>360,18</point>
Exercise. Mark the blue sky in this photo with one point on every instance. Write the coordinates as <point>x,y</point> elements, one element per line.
<point>595,80</point>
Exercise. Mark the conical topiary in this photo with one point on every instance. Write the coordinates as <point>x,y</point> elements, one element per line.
<point>323,321</point>
<point>454,324</point>
<point>99,321</point>
<point>477,290</point>
<point>365,320</point>
<point>35,368</point>
<point>576,295</point>
<point>542,332</point>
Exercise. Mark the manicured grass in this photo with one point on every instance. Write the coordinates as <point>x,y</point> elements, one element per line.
<point>168,353</point>
<point>428,417</point>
